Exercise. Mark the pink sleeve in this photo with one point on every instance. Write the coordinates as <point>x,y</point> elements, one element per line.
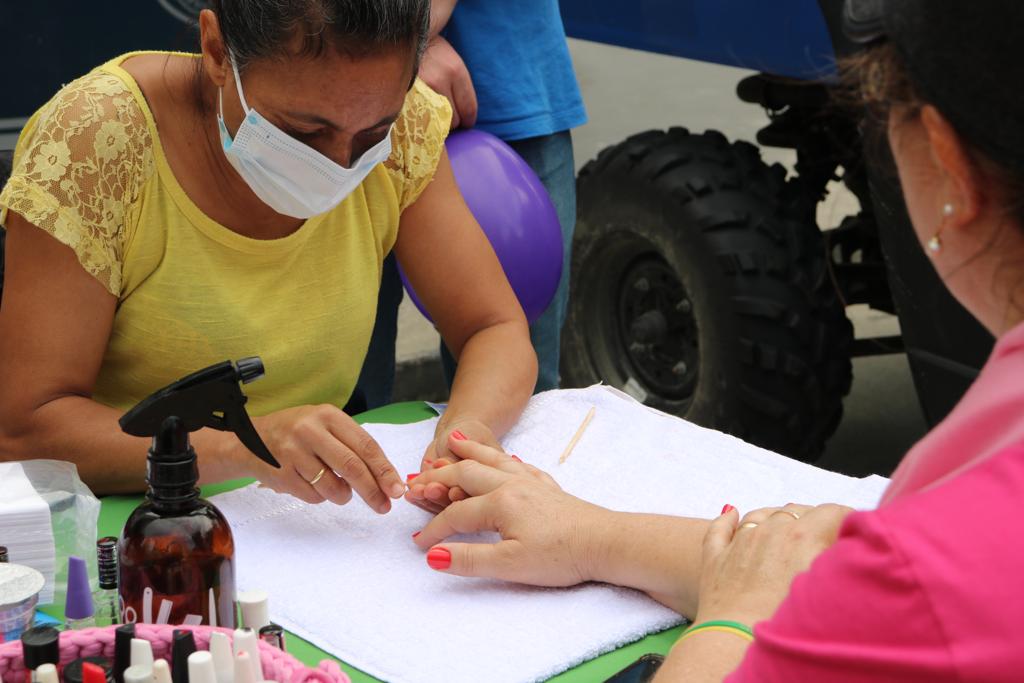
<point>829,628</point>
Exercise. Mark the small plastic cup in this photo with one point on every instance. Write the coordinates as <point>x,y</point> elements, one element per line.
<point>19,593</point>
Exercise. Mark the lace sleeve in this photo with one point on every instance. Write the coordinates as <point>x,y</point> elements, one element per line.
<point>78,167</point>
<point>417,143</point>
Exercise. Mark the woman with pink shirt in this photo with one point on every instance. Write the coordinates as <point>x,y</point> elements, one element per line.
<point>929,586</point>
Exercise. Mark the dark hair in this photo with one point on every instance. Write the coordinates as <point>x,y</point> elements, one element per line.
<point>259,29</point>
<point>879,81</point>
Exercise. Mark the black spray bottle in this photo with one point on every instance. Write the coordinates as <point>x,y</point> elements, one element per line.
<point>176,553</point>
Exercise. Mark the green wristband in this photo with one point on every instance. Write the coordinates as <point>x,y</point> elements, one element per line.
<point>736,627</point>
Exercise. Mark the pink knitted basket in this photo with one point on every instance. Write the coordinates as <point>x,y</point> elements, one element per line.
<point>277,665</point>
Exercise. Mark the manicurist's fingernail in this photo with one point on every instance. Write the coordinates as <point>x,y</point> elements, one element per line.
<point>439,558</point>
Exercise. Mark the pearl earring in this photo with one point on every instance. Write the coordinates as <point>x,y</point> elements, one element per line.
<point>935,243</point>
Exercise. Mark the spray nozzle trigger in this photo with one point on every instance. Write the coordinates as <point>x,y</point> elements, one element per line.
<point>210,397</point>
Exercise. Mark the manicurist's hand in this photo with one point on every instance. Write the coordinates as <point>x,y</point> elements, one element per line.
<point>545,533</point>
<point>749,564</point>
<point>324,455</point>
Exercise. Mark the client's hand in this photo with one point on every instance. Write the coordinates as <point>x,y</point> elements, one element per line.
<point>546,535</point>
<point>439,453</point>
<point>749,564</point>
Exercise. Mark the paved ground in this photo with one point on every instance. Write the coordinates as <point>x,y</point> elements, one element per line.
<point>627,92</point>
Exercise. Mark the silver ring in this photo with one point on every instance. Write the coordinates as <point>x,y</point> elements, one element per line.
<point>318,477</point>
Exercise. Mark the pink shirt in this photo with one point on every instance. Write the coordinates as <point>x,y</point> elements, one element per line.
<point>929,587</point>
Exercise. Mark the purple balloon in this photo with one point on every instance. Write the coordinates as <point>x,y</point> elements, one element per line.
<point>515,211</point>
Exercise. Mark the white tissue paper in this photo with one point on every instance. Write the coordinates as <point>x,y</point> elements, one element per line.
<point>25,525</point>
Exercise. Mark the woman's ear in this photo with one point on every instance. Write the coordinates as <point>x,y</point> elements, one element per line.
<point>961,179</point>
<point>215,54</point>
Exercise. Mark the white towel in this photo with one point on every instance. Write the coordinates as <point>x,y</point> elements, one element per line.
<point>25,526</point>
<point>353,583</point>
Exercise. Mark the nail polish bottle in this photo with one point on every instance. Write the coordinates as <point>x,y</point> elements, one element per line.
<point>47,673</point>
<point>182,647</point>
<point>104,599</point>
<point>74,673</point>
<point>39,645</point>
<point>123,636</point>
<point>78,607</point>
<point>176,552</point>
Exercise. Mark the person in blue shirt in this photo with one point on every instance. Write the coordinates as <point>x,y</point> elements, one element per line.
<point>506,68</point>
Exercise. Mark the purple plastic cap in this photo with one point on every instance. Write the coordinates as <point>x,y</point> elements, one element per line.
<point>79,600</point>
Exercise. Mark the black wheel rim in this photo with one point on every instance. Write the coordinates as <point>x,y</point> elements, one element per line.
<point>641,329</point>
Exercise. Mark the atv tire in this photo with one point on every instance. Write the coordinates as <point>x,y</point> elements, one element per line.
<point>694,291</point>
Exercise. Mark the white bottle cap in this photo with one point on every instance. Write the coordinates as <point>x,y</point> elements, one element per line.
<point>223,660</point>
<point>142,654</point>
<point>247,641</point>
<point>161,671</point>
<point>200,668</point>
<point>255,613</point>
<point>138,674</point>
<point>47,673</point>
<point>244,669</point>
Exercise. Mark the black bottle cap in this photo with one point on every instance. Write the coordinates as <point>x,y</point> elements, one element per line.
<point>106,562</point>
<point>3,554</point>
<point>40,645</point>
<point>73,671</point>
<point>273,635</point>
<point>249,369</point>
<point>184,645</point>
<point>123,635</point>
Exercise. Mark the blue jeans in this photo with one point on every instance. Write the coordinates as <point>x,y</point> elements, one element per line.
<point>551,158</point>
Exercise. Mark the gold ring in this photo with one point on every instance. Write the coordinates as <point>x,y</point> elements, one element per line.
<point>788,512</point>
<point>318,477</point>
<point>748,525</point>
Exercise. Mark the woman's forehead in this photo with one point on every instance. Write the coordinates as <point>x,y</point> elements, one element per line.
<point>344,90</point>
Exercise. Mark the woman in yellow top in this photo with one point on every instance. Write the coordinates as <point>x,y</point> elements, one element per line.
<point>169,211</point>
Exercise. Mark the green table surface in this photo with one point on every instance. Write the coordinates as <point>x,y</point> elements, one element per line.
<point>114,512</point>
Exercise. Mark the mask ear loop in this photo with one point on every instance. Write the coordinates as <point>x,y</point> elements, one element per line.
<point>238,84</point>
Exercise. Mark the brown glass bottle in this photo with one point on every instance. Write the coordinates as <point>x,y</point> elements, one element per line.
<point>176,552</point>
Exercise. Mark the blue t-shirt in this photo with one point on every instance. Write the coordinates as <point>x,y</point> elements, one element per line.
<point>516,53</point>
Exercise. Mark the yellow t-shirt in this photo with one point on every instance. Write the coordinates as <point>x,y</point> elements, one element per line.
<point>89,170</point>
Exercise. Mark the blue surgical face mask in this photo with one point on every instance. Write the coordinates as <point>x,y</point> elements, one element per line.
<point>289,176</point>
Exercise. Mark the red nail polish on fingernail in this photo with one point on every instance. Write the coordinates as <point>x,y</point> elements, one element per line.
<point>458,436</point>
<point>439,558</point>
<point>416,534</point>
<point>439,463</point>
<point>410,477</point>
<point>727,508</point>
<point>516,458</point>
